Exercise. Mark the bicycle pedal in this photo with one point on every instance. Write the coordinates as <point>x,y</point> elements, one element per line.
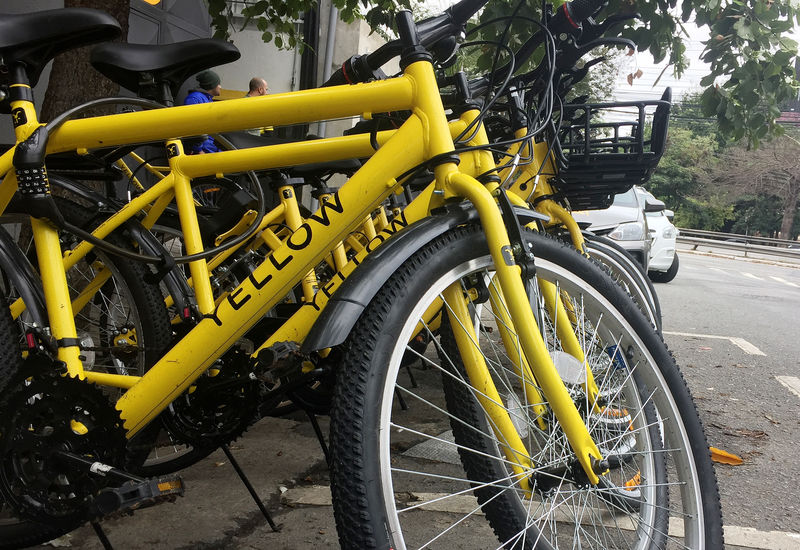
<point>280,359</point>
<point>135,495</point>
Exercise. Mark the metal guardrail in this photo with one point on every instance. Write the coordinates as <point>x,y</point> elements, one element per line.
<point>741,243</point>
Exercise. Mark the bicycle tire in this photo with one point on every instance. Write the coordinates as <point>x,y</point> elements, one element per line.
<point>125,300</point>
<point>373,450</point>
<point>628,272</point>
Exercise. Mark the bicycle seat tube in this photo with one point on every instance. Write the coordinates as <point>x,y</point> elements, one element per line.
<point>36,189</point>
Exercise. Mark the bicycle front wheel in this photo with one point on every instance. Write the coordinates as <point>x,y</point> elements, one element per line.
<point>430,469</point>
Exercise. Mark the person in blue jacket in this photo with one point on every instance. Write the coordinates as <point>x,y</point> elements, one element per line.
<point>208,87</point>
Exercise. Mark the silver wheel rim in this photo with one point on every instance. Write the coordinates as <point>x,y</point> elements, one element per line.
<point>689,512</point>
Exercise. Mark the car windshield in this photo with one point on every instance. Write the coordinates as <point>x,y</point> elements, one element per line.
<point>627,198</point>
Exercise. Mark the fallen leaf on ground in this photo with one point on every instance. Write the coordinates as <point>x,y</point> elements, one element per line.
<point>61,542</point>
<point>724,457</point>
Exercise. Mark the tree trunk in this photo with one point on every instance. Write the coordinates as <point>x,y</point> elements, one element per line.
<point>790,207</point>
<point>73,80</point>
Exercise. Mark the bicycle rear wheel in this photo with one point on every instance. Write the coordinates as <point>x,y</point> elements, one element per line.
<point>121,322</point>
<point>435,474</point>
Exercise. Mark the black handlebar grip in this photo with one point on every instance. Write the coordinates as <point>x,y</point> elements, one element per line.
<point>336,79</point>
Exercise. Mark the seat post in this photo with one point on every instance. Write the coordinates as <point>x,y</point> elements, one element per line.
<point>23,117</point>
<point>166,94</point>
<point>20,96</point>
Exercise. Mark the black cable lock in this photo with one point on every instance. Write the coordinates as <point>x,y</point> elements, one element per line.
<point>33,185</point>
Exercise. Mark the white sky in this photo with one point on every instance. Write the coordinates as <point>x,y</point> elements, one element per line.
<point>643,88</point>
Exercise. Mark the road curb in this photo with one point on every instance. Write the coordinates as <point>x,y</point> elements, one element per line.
<point>743,258</point>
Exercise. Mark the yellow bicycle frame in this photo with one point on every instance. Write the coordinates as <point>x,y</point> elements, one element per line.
<point>423,136</point>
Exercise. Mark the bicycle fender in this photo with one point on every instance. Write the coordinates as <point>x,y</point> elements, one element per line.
<point>23,277</point>
<point>346,305</point>
<point>174,279</point>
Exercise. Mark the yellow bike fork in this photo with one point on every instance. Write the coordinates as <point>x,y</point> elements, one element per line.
<point>534,348</point>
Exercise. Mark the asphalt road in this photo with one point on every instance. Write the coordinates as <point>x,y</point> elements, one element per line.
<point>745,407</point>
<point>732,325</point>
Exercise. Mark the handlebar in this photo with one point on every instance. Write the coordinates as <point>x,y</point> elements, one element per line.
<point>444,27</point>
<point>568,18</point>
<point>430,31</point>
<point>570,15</point>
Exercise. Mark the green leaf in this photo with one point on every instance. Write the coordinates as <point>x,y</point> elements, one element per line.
<point>707,80</point>
<point>710,101</point>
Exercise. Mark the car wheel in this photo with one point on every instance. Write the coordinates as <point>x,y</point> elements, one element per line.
<point>665,276</point>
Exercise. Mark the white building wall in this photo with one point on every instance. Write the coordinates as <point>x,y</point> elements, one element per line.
<point>351,39</point>
<point>280,68</point>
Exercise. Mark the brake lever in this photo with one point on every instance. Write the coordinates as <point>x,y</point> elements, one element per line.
<point>570,77</point>
<point>616,19</point>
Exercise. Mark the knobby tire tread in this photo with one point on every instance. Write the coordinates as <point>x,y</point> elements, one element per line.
<point>355,476</point>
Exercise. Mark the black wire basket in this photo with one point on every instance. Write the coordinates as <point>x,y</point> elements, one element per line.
<point>599,158</point>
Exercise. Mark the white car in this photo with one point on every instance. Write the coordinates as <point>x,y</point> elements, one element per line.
<point>663,264</point>
<point>624,221</point>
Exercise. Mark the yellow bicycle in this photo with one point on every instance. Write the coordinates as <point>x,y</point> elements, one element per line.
<point>541,434</point>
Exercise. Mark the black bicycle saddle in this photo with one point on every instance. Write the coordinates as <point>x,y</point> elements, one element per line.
<point>33,39</point>
<point>146,68</point>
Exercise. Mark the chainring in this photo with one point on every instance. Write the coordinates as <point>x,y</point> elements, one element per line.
<point>218,407</point>
<point>44,415</point>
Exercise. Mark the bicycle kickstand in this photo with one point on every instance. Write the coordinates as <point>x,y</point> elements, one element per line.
<point>320,436</point>
<point>250,489</point>
<point>400,400</point>
<point>98,530</point>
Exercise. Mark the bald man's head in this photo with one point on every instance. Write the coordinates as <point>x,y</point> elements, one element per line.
<point>258,86</point>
